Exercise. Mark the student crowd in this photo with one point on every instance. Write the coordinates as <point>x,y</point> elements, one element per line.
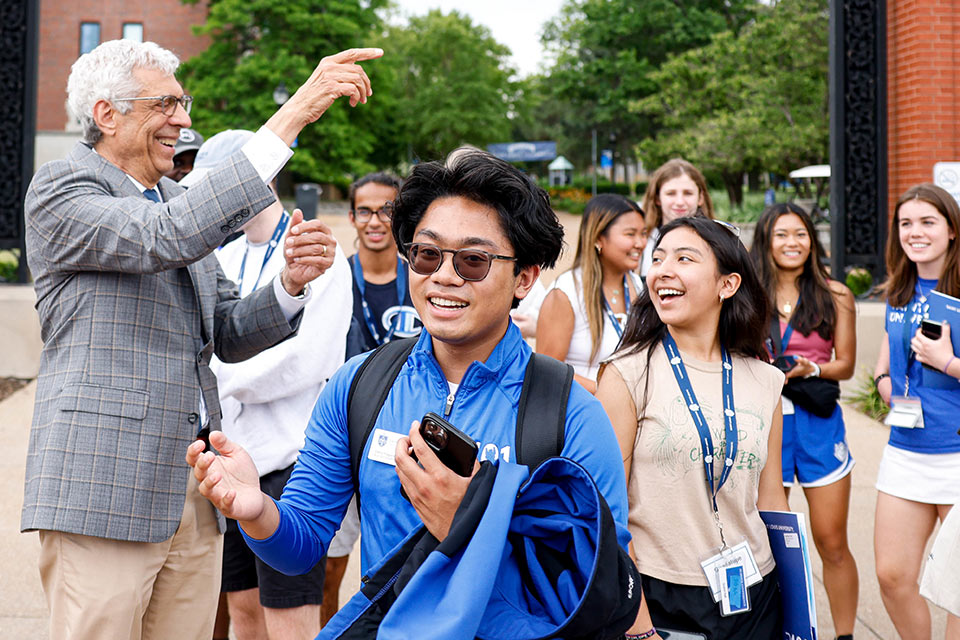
<point>186,313</point>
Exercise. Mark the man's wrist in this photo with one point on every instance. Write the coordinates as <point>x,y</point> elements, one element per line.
<point>290,287</point>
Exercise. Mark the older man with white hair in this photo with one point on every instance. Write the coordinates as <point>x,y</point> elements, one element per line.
<point>133,306</point>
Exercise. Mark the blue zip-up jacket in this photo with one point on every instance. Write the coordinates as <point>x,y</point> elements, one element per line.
<point>484,407</point>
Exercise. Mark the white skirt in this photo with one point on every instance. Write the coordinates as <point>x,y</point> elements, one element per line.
<point>931,478</point>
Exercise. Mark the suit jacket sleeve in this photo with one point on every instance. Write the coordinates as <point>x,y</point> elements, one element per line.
<point>85,215</point>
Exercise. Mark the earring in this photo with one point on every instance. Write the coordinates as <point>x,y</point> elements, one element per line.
<point>722,298</point>
<point>599,249</point>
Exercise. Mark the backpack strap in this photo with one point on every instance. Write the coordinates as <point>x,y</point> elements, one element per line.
<point>542,414</point>
<point>370,387</point>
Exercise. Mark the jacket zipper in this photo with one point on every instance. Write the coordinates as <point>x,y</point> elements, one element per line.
<point>449,407</point>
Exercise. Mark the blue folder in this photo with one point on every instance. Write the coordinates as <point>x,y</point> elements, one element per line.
<point>788,542</point>
<point>943,308</point>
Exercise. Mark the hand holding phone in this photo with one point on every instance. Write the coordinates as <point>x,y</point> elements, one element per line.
<point>931,328</point>
<point>785,363</point>
<point>456,450</point>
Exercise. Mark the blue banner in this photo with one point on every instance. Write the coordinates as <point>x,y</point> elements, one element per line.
<point>524,151</point>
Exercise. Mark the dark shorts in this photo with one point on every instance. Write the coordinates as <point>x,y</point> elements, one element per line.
<point>686,608</point>
<point>243,570</point>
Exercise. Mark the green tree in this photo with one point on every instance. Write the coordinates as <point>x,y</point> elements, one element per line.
<point>751,101</point>
<point>257,44</point>
<point>453,84</point>
<point>607,51</point>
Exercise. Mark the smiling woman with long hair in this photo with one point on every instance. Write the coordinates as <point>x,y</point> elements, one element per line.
<point>691,398</point>
<point>677,189</point>
<point>583,315</point>
<point>919,476</point>
<point>813,330</point>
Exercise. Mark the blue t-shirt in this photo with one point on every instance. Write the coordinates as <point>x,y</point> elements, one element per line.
<point>940,406</point>
<point>387,312</point>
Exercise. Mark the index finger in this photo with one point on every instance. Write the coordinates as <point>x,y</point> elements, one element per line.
<point>355,55</point>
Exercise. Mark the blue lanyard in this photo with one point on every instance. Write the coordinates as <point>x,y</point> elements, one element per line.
<point>909,329</point>
<point>729,413</point>
<point>626,305</point>
<point>274,241</point>
<point>367,314</point>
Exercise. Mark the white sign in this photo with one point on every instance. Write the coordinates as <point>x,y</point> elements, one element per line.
<point>947,175</point>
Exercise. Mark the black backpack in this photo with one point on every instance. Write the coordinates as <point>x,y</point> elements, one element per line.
<point>541,415</point>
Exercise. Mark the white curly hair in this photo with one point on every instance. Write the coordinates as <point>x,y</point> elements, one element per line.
<point>106,73</point>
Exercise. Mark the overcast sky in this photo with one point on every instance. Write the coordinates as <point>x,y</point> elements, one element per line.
<point>514,23</point>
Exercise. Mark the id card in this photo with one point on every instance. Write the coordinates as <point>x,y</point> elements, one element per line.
<point>734,597</point>
<point>383,446</point>
<point>906,413</point>
<point>787,406</point>
<point>737,556</point>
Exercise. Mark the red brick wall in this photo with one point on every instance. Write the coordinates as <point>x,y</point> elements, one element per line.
<point>166,22</point>
<point>923,90</point>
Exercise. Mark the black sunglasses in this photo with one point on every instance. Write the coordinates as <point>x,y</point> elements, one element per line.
<point>472,265</point>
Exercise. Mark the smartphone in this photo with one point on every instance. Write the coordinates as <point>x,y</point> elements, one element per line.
<point>931,328</point>
<point>456,450</point>
<point>785,363</point>
<point>671,634</point>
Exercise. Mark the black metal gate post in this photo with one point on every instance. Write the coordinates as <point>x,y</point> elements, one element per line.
<point>858,135</point>
<point>18,118</point>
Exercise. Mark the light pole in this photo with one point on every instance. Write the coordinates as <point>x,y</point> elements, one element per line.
<point>280,94</point>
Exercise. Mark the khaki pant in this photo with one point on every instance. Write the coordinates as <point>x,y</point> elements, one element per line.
<point>98,588</point>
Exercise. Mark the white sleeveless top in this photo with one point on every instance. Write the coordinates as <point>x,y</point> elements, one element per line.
<point>578,355</point>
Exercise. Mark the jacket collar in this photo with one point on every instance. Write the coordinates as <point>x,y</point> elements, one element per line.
<point>119,181</point>
<point>507,362</point>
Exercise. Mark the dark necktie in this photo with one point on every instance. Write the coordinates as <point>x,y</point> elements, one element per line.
<point>151,194</point>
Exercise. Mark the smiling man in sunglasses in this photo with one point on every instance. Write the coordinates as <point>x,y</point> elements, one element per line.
<point>476,234</point>
<point>133,306</point>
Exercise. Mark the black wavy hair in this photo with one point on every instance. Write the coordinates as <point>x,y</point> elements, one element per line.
<point>524,210</point>
<point>743,316</point>
<point>381,178</point>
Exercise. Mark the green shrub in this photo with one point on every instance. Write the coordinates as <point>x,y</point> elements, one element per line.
<point>866,399</point>
<point>860,281</point>
<point>8,266</point>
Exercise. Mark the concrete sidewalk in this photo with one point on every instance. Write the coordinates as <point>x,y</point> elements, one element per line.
<point>23,611</point>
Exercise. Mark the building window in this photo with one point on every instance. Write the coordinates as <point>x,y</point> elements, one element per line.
<point>89,36</point>
<point>133,31</point>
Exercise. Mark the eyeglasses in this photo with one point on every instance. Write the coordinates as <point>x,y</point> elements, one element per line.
<point>472,265</point>
<point>729,227</point>
<point>167,104</point>
<point>363,214</point>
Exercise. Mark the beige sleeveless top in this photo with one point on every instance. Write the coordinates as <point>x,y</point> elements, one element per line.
<point>671,517</point>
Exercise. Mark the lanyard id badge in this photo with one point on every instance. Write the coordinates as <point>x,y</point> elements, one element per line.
<point>368,319</point>
<point>716,566</point>
<point>274,241</point>
<point>905,413</point>
<point>733,569</point>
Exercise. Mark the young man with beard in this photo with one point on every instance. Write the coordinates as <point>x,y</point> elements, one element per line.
<point>382,309</point>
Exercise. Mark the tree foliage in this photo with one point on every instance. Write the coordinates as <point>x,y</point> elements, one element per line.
<point>607,52</point>
<point>751,101</point>
<point>257,44</point>
<point>453,84</point>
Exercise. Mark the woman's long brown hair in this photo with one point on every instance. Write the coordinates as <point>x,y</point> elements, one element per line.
<point>901,271</point>
<point>668,171</point>
<point>599,214</point>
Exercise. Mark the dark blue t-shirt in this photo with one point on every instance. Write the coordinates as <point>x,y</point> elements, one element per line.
<point>386,310</point>
<point>940,406</point>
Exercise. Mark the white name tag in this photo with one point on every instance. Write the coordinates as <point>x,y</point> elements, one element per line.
<point>383,446</point>
<point>906,413</point>
<point>787,405</point>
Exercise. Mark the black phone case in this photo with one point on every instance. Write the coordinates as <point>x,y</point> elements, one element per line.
<point>459,452</point>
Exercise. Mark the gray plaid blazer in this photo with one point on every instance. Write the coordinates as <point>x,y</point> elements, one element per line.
<point>132,306</point>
